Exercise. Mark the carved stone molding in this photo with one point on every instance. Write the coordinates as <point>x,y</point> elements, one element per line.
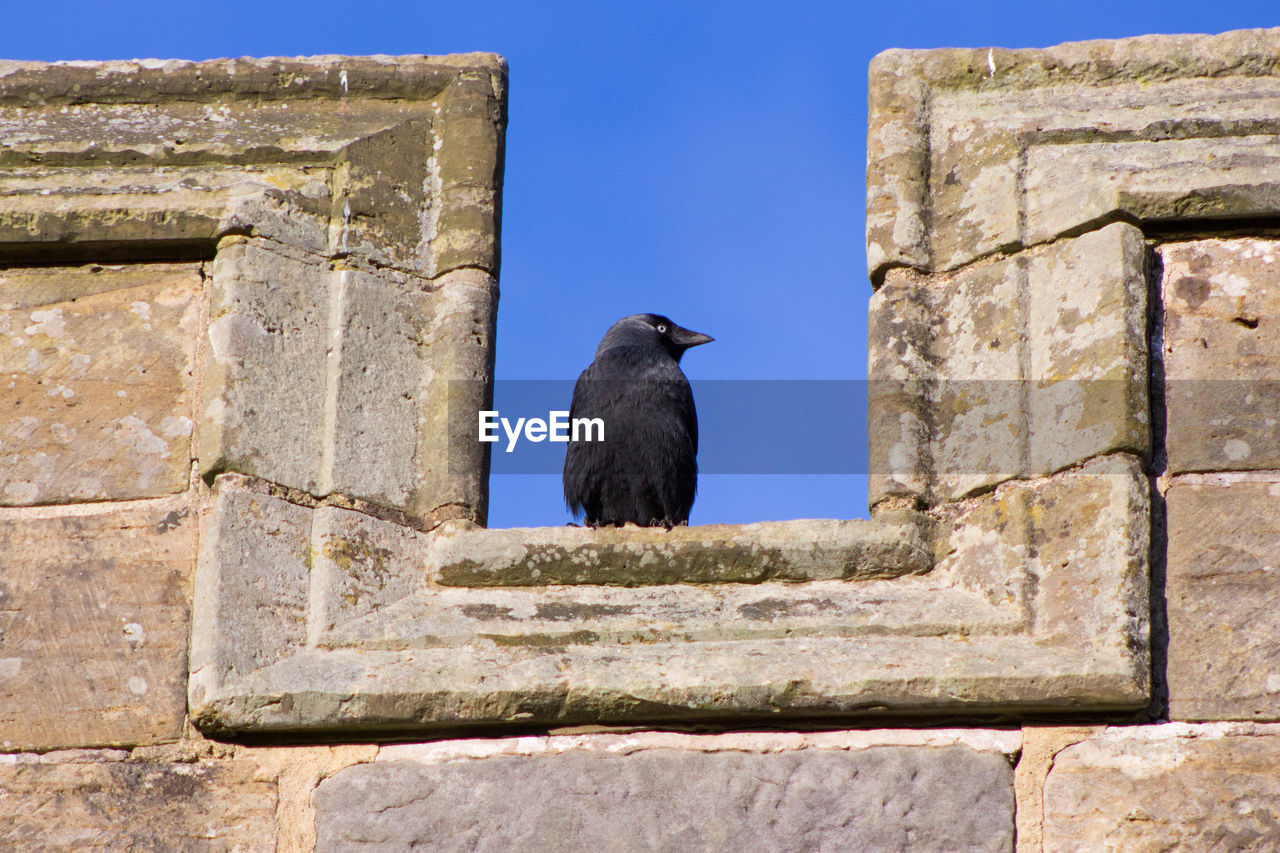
<point>344,213</point>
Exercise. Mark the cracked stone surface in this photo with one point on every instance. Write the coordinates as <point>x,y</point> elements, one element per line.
<point>1012,368</point>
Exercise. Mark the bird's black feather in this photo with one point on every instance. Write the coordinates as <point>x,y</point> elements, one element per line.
<point>645,471</point>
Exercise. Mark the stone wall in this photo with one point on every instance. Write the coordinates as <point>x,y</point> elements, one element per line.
<point>247,601</point>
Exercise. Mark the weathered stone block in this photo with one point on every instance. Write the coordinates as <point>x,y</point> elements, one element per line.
<point>251,585</point>
<point>1018,368</point>
<point>453,466</point>
<point>133,805</point>
<point>402,361</point>
<point>97,361</point>
<point>341,381</point>
<point>1223,593</point>
<point>268,345</point>
<point>354,206</point>
<point>1233,175</point>
<point>1222,354</point>
<point>1040,745</point>
<point>380,364</point>
<point>1166,787</point>
<point>358,564</point>
<point>999,150</point>
<point>93,624</point>
<point>447,218</point>
<point>878,798</point>
<point>394,161</point>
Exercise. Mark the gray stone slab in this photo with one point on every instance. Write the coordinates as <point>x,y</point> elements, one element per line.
<point>880,798</point>
<point>265,375</point>
<point>1222,354</point>
<point>340,381</point>
<point>94,624</point>
<point>1223,594</point>
<point>1165,787</point>
<point>380,355</point>
<point>452,466</point>
<point>358,565</point>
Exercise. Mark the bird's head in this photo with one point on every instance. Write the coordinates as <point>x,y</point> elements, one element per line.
<point>652,330</point>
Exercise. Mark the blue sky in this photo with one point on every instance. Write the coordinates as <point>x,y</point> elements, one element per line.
<point>704,160</point>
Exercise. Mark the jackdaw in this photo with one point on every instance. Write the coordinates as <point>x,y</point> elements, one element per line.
<point>645,471</point>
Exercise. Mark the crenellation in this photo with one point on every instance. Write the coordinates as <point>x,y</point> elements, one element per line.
<point>248,601</point>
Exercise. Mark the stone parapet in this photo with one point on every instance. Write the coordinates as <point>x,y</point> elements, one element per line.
<point>244,573</point>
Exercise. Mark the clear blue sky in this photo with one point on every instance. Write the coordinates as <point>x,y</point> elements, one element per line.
<point>700,159</point>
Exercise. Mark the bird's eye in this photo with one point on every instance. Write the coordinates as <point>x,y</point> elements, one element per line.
<point>662,328</point>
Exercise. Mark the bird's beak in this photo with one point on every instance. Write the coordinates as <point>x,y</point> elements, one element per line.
<point>684,338</point>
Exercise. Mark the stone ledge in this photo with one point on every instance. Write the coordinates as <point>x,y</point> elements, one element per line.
<point>357,635</point>
<point>397,159</point>
<point>893,545</point>
<point>268,78</point>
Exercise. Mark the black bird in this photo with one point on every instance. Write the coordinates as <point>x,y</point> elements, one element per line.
<point>645,471</point>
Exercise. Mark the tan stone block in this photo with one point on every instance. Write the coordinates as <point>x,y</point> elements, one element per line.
<point>1223,594</point>
<point>1040,745</point>
<point>1222,354</point>
<point>133,805</point>
<point>251,585</point>
<point>93,624</point>
<point>97,364</point>
<point>1166,787</point>
<point>299,769</point>
<point>1187,178</point>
